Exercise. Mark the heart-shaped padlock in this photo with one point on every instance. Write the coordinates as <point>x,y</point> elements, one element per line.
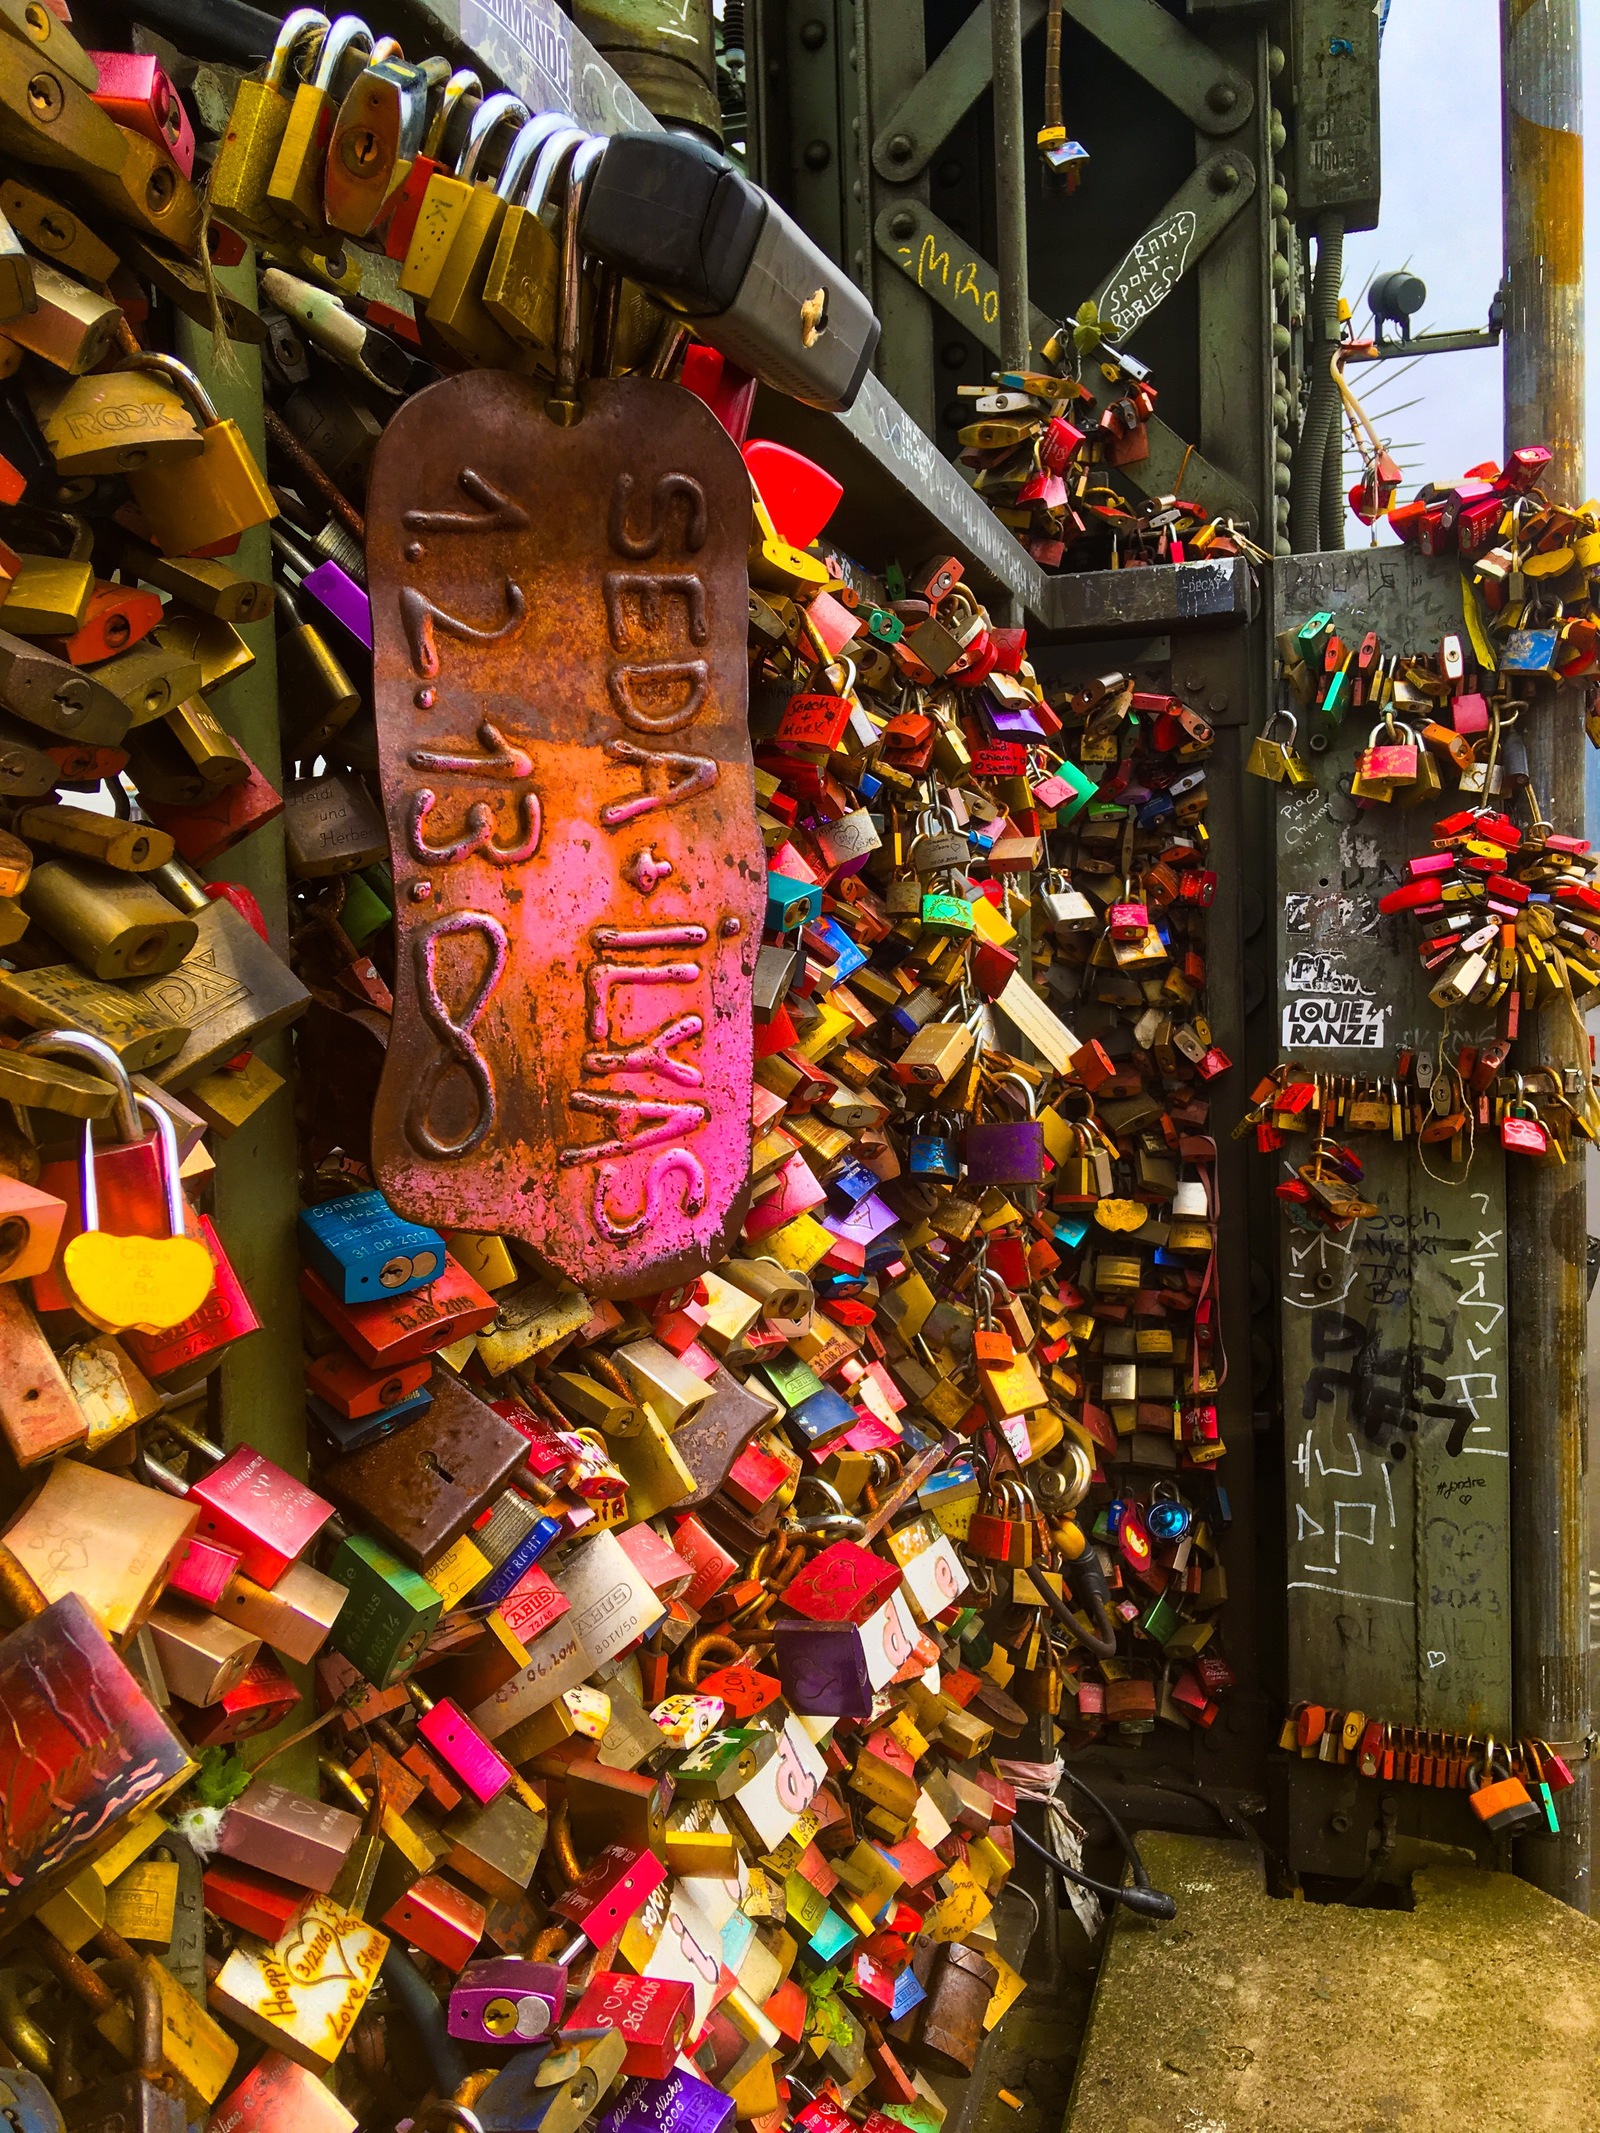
<point>148,1284</point>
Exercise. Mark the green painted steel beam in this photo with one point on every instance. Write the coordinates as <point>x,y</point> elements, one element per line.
<point>1209,92</point>
<point>1179,237</point>
<point>962,282</point>
<point>257,1199</point>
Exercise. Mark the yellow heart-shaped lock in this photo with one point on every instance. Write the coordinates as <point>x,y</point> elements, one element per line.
<point>1120,1214</point>
<point>148,1284</point>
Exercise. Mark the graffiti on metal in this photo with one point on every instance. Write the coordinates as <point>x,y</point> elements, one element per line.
<point>1149,274</point>
<point>559,621</point>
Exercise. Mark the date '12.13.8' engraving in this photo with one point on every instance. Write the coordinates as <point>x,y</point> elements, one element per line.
<point>559,623</point>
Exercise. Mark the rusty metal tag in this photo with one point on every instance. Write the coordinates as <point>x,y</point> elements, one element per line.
<point>559,622</point>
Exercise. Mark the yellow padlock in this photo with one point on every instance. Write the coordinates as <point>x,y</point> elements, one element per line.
<point>149,1284</point>
<point>445,202</point>
<point>521,286</point>
<point>256,126</point>
<point>456,308</point>
<point>294,191</point>
<point>198,503</point>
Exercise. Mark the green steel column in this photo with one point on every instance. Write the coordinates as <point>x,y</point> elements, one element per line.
<point>666,55</point>
<point>257,1197</point>
<point>1544,379</point>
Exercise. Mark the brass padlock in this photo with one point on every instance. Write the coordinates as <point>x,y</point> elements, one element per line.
<point>249,148</point>
<point>116,423</point>
<point>204,583</point>
<point>456,309</point>
<point>377,136</point>
<point>200,503</point>
<point>56,232</point>
<point>294,190</point>
<point>317,697</point>
<point>444,204</point>
<point>115,925</point>
<point>332,825</point>
<point>520,288</point>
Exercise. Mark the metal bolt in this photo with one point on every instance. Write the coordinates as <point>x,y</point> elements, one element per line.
<point>1217,704</point>
<point>900,148</point>
<point>1222,96</point>
<point>818,155</point>
<point>1275,61</point>
<point>1339,1823</point>
<point>902,222</point>
<point>813,35</point>
<point>1194,681</point>
<point>1223,178</point>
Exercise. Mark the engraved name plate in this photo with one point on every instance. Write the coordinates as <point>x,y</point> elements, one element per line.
<point>559,623</point>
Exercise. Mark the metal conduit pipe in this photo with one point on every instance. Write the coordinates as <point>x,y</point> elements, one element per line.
<point>1322,406</point>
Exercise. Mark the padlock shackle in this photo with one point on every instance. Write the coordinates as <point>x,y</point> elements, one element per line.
<point>556,141</point>
<point>297,27</point>
<point>78,1044</point>
<point>180,376</point>
<point>527,153</point>
<point>493,113</point>
<point>462,83</point>
<point>346,32</point>
<point>563,405</point>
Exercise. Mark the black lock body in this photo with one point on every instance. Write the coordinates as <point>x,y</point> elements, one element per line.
<point>677,218</point>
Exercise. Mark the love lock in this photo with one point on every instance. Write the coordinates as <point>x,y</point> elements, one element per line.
<point>147,1283</point>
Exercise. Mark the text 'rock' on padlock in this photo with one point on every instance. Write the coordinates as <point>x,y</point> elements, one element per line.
<point>1007,1152</point>
<point>148,1283</point>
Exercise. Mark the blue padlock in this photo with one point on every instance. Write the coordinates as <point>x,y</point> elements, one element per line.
<point>1169,1518</point>
<point>365,1251</point>
<point>791,903</point>
<point>932,1153</point>
<point>351,1433</point>
<point>822,1415</point>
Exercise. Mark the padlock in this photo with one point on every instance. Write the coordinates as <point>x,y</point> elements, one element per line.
<point>931,1150</point>
<point>1522,1131</point>
<point>1003,1531</point>
<point>523,273</point>
<point>1010,1153</point>
<point>1500,1803</point>
<point>293,191</point>
<point>455,309</point>
<point>203,502</point>
<point>115,925</point>
<point>376,137</point>
<point>448,194</point>
<point>148,2100</point>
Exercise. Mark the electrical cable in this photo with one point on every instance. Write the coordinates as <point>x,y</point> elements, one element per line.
<point>1147,1900</point>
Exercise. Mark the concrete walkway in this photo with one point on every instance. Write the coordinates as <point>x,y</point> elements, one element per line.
<point>1476,2012</point>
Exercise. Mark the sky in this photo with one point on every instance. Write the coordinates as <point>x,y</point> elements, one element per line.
<point>1441,218</point>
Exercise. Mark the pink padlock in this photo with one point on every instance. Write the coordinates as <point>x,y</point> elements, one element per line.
<point>1522,1132</point>
<point>1470,715</point>
<point>1129,921</point>
<point>134,89</point>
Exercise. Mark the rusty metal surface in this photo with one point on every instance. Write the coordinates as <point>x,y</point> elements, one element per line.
<point>559,623</point>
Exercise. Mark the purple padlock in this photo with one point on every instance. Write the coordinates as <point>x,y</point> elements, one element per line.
<point>680,2104</point>
<point>823,1668</point>
<point>507,2000</point>
<point>1006,1151</point>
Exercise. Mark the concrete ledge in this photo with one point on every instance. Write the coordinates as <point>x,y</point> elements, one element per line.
<point>1479,2009</point>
